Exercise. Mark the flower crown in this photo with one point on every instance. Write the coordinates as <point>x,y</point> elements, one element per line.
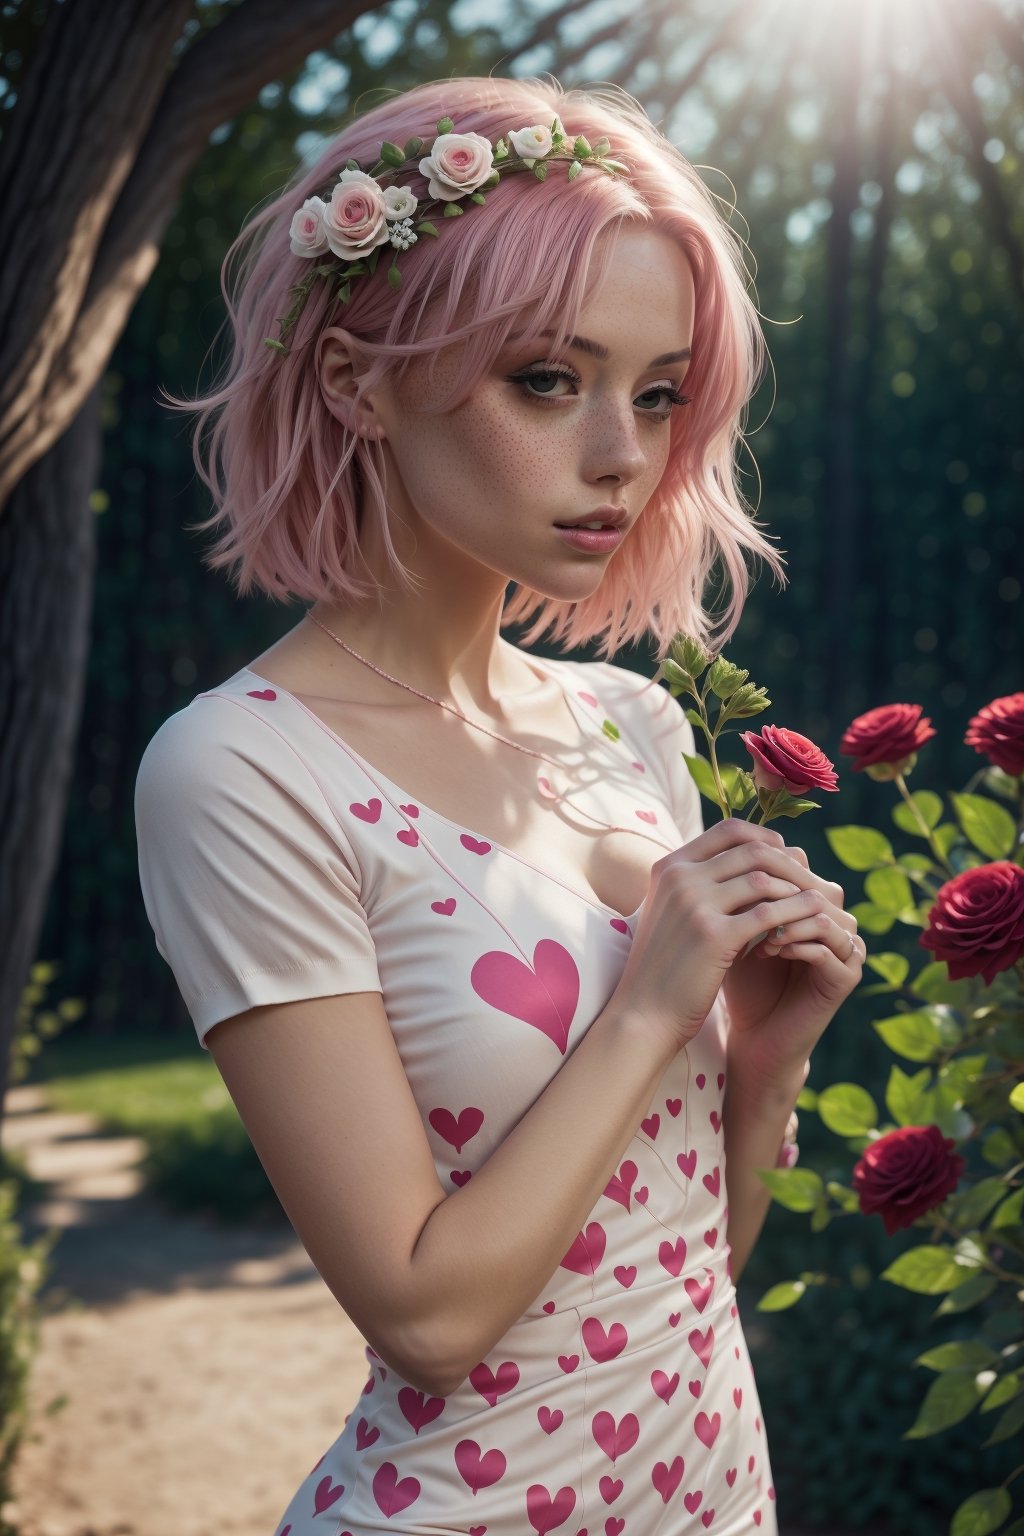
<point>360,214</point>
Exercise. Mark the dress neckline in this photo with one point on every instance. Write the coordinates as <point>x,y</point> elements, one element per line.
<point>373,772</point>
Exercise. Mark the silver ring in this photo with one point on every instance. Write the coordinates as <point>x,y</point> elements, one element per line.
<point>780,931</point>
<point>849,954</point>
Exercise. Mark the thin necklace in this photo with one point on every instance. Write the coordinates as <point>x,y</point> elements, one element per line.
<point>544,785</point>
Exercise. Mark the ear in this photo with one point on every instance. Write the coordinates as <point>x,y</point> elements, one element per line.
<point>337,352</point>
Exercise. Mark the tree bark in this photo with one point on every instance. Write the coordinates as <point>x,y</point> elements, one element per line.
<point>94,154</point>
<point>47,556</point>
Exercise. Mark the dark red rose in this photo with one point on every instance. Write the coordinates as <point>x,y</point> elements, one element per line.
<point>998,731</point>
<point>889,734</point>
<point>977,922</point>
<point>905,1173</point>
<point>786,759</point>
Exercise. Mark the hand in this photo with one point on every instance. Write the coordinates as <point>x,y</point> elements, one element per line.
<point>782,993</point>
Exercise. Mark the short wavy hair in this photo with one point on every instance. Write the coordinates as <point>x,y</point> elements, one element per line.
<point>288,478</point>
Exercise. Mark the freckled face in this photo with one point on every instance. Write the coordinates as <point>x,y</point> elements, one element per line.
<point>484,484</point>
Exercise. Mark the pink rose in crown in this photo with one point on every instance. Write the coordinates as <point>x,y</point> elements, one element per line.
<point>998,732</point>
<point>888,736</point>
<point>977,923</point>
<point>458,164</point>
<point>307,234</point>
<point>786,760</point>
<point>355,219</point>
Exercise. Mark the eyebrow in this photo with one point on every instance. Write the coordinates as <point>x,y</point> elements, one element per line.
<point>595,349</point>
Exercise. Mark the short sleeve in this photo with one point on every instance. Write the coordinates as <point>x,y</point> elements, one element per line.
<point>669,733</point>
<point>249,882</point>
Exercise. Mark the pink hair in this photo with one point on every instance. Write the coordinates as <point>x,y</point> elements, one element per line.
<point>285,475</point>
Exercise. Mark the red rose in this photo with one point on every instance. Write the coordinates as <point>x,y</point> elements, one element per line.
<point>905,1173</point>
<point>977,922</point>
<point>786,759</point>
<point>998,731</point>
<point>890,734</point>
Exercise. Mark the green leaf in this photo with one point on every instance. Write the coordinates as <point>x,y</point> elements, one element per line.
<point>989,826</point>
<point>889,889</point>
<point>426,228</point>
<point>998,1149</point>
<point>946,834</point>
<point>477,197</point>
<point>933,984</point>
<point>806,1098</point>
<point>445,125</point>
<point>394,277</point>
<point>949,1399</point>
<point>930,807</point>
<point>451,211</point>
<point>787,1294</point>
<point>412,147</point>
<point>978,1288</point>
<point>1010,1424</point>
<point>917,863</point>
<point>961,1355</point>
<point>971,1208</point>
<point>845,1198</point>
<point>798,1189</point>
<point>1005,1390</point>
<point>392,154</point>
<point>894,967</point>
<point>982,1513</point>
<point>871,918</point>
<point>859,847</point>
<point>847,1109</point>
<point>1009,1213</point>
<point>904,1096</point>
<point>927,1270</point>
<point>1017,1099</point>
<point>693,715</point>
<point>913,1035</point>
<point>701,774</point>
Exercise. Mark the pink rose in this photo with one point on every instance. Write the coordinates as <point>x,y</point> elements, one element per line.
<point>458,163</point>
<point>785,759</point>
<point>307,232</point>
<point>998,731</point>
<point>355,219</point>
<point>890,734</point>
<point>977,922</point>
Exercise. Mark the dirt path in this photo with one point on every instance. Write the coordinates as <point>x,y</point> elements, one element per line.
<point>204,1370</point>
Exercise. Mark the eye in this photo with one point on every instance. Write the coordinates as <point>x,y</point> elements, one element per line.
<point>530,378</point>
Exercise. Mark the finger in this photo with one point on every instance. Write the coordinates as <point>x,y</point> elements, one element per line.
<point>818,931</point>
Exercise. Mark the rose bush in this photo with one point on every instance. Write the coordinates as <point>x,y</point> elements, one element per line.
<point>946,1161</point>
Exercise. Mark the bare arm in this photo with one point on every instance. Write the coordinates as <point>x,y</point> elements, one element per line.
<point>754,1120</point>
<point>432,1280</point>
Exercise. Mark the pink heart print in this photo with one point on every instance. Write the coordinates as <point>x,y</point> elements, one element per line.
<point>620,924</point>
<point>446,908</point>
<point>625,1274</point>
<point>614,1526</point>
<point>663,1385</point>
<point>479,1470</point>
<point>568,1363</point>
<point>587,1250</point>
<point>707,1517</point>
<point>620,1184</point>
<point>461,1176</point>
<point>707,1428</point>
<point>672,1256</point>
<point>616,1439</point>
<point>368,812</point>
<point>417,1409</point>
<point>392,1495</point>
<point>408,835</point>
<point>588,698</point>
<point>692,1500</point>
<point>673,1106</point>
<point>687,1162</point>
<point>702,1344</point>
<point>262,693</point>
<point>695,1388</point>
<point>730,1476</point>
<point>474,844</point>
<point>549,1419</point>
<point>603,1345</point>
<point>326,1494</point>
<point>650,1126</point>
<point>365,1436</point>
<point>546,1513</point>
<point>713,1181</point>
<point>610,1488</point>
<point>410,810</point>
<point>490,1384</point>
<point>716,1121</point>
<point>667,1479</point>
<point>456,1132</point>
<point>700,1294</point>
<point>649,816</point>
<point>543,995</point>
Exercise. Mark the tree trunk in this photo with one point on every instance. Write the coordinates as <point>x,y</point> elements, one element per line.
<point>47,558</point>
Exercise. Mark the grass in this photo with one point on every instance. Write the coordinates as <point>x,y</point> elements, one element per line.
<point>198,1154</point>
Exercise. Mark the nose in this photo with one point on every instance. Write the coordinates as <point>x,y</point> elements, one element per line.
<point>614,446</point>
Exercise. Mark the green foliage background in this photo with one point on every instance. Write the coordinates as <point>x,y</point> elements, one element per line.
<point>935,406</point>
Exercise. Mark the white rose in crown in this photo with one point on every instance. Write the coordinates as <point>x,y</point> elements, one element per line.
<point>355,219</point>
<point>531,144</point>
<point>401,203</point>
<point>307,234</point>
<point>458,164</point>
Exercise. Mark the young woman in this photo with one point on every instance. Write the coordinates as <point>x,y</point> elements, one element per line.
<point>496,1011</point>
